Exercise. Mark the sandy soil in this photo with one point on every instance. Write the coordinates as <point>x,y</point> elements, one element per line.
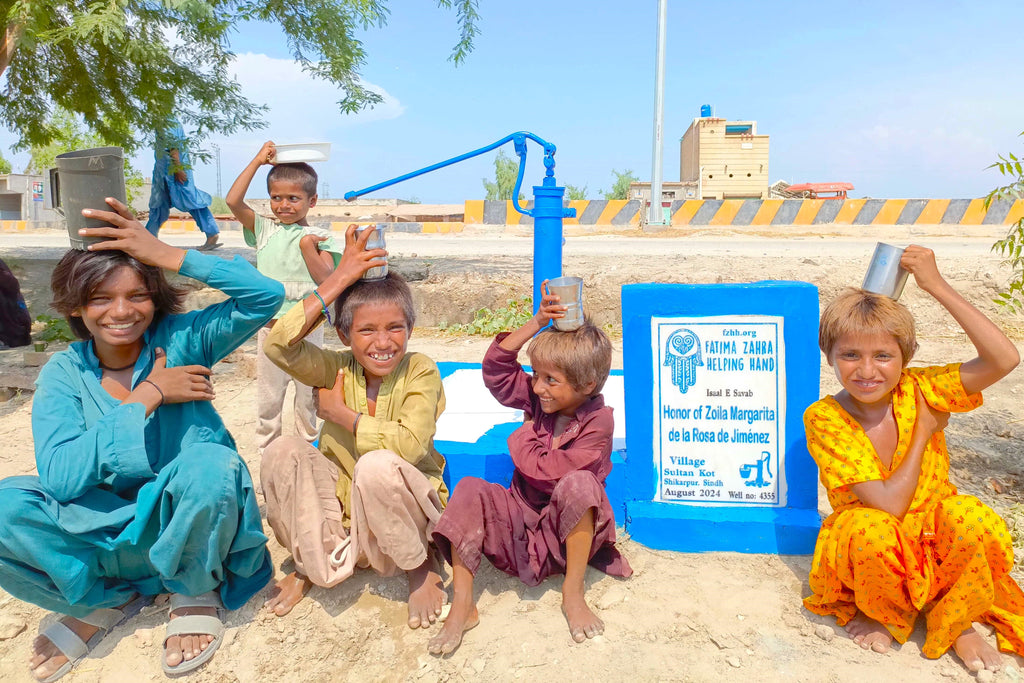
<point>681,617</point>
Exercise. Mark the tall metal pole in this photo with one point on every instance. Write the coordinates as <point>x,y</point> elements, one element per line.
<point>216,148</point>
<point>656,217</point>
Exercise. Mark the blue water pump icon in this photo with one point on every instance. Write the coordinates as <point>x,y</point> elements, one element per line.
<point>763,467</point>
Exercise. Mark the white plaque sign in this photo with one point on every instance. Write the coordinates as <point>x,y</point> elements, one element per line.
<point>719,409</point>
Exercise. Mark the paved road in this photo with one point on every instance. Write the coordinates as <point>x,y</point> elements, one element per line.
<point>50,244</point>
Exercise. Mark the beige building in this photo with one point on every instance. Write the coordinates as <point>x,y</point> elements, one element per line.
<point>727,159</point>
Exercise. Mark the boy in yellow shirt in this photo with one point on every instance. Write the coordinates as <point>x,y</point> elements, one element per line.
<point>373,492</point>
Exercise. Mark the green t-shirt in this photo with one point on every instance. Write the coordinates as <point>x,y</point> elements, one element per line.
<point>278,256</point>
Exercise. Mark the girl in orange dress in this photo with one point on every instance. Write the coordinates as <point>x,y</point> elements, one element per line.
<point>900,539</point>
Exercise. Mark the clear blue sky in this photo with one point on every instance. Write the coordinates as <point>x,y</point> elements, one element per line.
<point>903,99</point>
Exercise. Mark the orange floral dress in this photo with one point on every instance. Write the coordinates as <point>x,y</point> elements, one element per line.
<point>950,553</point>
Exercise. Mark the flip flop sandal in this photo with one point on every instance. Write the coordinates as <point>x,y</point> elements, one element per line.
<point>194,625</point>
<point>74,648</point>
<point>208,247</point>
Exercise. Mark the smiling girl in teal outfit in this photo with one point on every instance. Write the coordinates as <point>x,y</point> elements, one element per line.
<point>140,488</point>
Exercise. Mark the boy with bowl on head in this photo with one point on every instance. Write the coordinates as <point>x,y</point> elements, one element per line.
<point>298,256</point>
<point>372,493</point>
<point>900,538</point>
<point>555,518</point>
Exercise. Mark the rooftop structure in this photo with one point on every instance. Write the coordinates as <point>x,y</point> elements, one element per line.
<point>727,159</point>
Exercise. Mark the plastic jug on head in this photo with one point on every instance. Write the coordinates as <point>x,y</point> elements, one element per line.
<point>83,179</point>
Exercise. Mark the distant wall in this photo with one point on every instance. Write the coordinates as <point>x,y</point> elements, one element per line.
<point>770,212</point>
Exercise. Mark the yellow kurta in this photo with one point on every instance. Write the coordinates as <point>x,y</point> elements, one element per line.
<point>949,552</point>
<point>409,402</point>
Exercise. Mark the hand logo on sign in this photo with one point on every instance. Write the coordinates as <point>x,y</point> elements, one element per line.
<point>682,354</point>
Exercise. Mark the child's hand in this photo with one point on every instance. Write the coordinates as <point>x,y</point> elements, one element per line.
<point>929,420</point>
<point>327,402</point>
<point>129,236</point>
<point>267,153</point>
<point>921,262</point>
<point>550,306</point>
<point>312,241</point>
<point>356,260</point>
<point>180,384</point>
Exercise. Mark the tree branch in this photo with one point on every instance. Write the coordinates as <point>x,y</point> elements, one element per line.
<point>12,33</point>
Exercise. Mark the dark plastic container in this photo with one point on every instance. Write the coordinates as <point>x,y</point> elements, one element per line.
<point>83,179</point>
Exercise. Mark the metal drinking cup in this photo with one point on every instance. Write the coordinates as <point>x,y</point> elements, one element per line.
<point>570,295</point>
<point>573,319</point>
<point>376,241</point>
<point>885,276</point>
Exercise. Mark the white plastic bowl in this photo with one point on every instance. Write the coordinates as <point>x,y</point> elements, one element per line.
<point>305,151</point>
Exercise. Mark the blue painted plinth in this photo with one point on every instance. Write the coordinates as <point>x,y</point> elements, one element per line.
<point>716,524</point>
<point>663,526</point>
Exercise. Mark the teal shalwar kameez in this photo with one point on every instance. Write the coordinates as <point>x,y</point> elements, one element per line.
<point>126,503</point>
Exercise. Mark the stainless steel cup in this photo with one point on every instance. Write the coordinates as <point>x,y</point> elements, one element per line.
<point>573,319</point>
<point>570,294</point>
<point>885,276</point>
<point>376,241</point>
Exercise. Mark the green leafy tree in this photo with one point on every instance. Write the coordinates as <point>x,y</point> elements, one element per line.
<point>69,135</point>
<point>125,65</point>
<point>506,169</point>
<point>620,188</point>
<point>573,193</point>
<point>219,206</point>
<point>1011,246</point>
<point>5,166</point>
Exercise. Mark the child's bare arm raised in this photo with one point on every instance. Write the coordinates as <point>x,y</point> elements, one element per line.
<point>997,356</point>
<point>550,308</point>
<point>355,261</point>
<point>236,195</point>
<point>320,264</point>
<point>894,495</point>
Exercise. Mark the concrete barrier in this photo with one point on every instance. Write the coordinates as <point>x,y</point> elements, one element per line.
<point>767,212</point>
<point>625,214</point>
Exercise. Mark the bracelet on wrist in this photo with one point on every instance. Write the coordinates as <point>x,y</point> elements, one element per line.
<point>355,422</point>
<point>158,390</point>
<point>323,307</point>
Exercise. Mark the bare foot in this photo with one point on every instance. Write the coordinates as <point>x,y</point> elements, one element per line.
<point>426,594</point>
<point>287,593</point>
<point>583,623</point>
<point>182,648</point>
<point>461,618</point>
<point>977,654</point>
<point>46,658</point>
<point>869,634</point>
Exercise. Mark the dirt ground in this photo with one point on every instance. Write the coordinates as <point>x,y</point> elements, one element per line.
<point>681,617</point>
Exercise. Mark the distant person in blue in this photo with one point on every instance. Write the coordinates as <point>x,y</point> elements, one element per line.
<point>173,186</point>
<point>140,488</point>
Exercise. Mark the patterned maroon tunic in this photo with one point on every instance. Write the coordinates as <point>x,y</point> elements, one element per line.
<point>522,529</point>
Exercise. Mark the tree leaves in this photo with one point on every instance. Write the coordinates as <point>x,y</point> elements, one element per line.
<point>1011,246</point>
<point>125,66</point>
<point>506,170</point>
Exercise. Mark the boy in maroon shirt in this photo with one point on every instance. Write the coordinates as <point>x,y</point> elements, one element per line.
<point>555,518</point>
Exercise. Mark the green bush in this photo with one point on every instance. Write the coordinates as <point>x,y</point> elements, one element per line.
<point>487,322</point>
<point>54,330</point>
<point>1010,247</point>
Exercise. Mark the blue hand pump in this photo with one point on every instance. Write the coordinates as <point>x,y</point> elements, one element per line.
<point>547,212</point>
